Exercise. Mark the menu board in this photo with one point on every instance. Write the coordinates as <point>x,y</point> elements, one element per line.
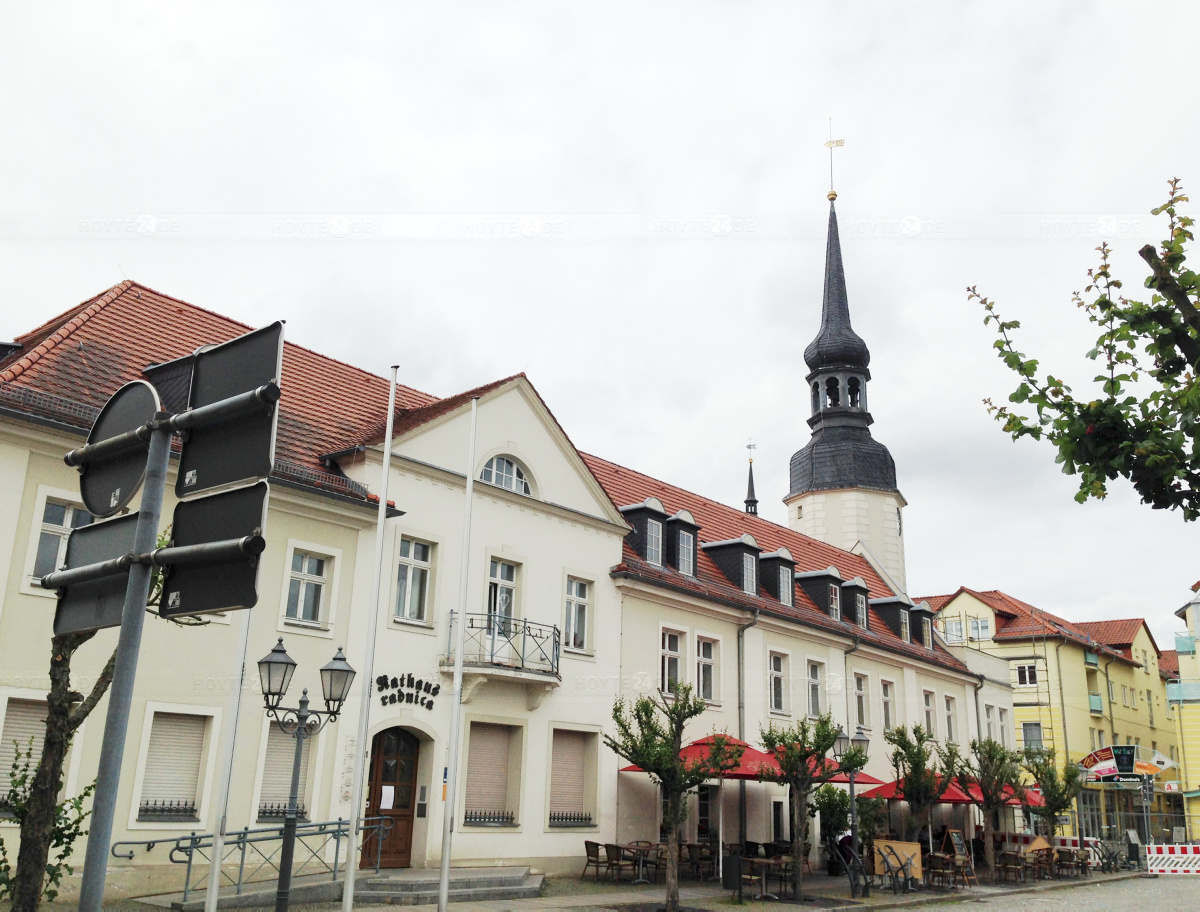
<point>960,844</point>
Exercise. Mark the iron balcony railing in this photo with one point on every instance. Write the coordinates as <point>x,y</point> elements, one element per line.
<point>507,642</point>
<point>489,818</point>
<point>570,819</point>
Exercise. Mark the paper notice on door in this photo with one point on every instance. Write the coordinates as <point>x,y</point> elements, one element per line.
<point>387,800</point>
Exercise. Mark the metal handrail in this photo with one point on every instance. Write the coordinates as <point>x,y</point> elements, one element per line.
<point>250,844</point>
<point>510,642</point>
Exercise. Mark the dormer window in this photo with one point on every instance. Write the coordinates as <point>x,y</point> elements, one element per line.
<point>860,610</point>
<point>654,542</point>
<point>927,632</point>
<point>749,574</point>
<point>835,601</point>
<point>504,473</point>
<point>905,632</point>
<point>687,544</point>
<point>786,586</point>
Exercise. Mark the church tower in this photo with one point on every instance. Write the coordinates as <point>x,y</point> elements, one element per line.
<point>843,483</point>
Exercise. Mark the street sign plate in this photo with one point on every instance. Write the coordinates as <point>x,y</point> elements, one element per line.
<point>225,586</point>
<point>243,449</point>
<point>95,604</point>
<point>108,485</point>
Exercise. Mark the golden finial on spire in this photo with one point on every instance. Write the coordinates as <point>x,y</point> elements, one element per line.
<point>752,447</point>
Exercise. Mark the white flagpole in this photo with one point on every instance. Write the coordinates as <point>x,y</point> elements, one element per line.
<point>460,640</point>
<point>360,746</point>
<point>229,738</point>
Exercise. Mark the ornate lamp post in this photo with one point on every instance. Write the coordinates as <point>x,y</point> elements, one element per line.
<point>840,747</point>
<point>275,672</point>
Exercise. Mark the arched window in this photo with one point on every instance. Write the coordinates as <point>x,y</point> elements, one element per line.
<point>816,397</point>
<point>832,393</point>
<point>853,393</point>
<point>503,472</point>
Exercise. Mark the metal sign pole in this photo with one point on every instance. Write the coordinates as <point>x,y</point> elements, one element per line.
<point>360,746</point>
<point>104,802</point>
<point>460,640</point>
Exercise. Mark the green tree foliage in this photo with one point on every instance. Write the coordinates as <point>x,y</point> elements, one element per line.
<point>912,757</point>
<point>650,736</point>
<point>1059,788</point>
<point>1142,425</point>
<point>995,773</point>
<point>833,805</point>
<point>803,754</point>
<point>872,820</point>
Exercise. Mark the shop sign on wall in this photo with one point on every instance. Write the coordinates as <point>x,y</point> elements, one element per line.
<point>406,689</point>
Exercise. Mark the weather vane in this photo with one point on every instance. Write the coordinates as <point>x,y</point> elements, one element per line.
<point>751,447</point>
<point>831,145</point>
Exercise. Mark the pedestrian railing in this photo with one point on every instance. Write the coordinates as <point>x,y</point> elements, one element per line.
<point>497,639</point>
<point>256,851</point>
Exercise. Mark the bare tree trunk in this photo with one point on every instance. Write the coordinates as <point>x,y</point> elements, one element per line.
<point>673,855</point>
<point>799,802</point>
<point>989,850</point>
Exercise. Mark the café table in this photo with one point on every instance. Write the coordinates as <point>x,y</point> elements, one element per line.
<point>640,851</point>
<point>764,866</point>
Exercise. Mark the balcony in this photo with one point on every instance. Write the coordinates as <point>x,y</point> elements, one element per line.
<point>499,648</point>
<point>1091,660</point>
<point>1096,704</point>
<point>1184,692</point>
<point>1185,645</point>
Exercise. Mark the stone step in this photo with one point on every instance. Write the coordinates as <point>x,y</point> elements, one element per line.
<point>529,888</point>
<point>410,881</point>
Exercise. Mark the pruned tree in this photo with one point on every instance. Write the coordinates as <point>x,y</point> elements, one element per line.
<point>1142,424</point>
<point>912,758</point>
<point>802,751</point>
<point>650,736</point>
<point>991,777</point>
<point>1059,788</point>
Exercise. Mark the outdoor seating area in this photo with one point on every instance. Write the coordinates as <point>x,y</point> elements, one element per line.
<point>642,861</point>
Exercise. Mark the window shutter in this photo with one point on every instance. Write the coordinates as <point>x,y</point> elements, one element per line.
<point>487,768</point>
<point>172,771</point>
<point>23,720</point>
<point>277,772</point>
<point>567,772</point>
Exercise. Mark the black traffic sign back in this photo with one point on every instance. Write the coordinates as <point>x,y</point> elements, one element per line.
<point>201,588</point>
<point>96,604</point>
<point>108,484</point>
<point>242,449</point>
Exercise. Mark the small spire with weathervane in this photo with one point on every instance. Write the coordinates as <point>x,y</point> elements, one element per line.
<point>751,500</point>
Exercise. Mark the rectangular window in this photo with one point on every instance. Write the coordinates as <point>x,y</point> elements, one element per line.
<point>654,541</point>
<point>706,811</point>
<point>24,729</point>
<point>572,778</point>
<point>950,719</point>
<point>953,631</point>
<point>1100,734</point>
<point>1003,717</point>
<point>306,587</point>
<point>669,672</point>
<point>1145,661</point>
<point>927,632</point>
<point>489,754</point>
<point>885,696</point>
<point>502,595</point>
<point>1027,675</point>
<point>575,632</point>
<point>750,574</point>
<point>778,670</point>
<point>171,778</point>
<point>980,629</point>
<point>1112,692</point>
<point>860,610</point>
<point>1092,738</point>
<point>1150,705</point>
<point>1124,695</point>
<point>706,678</point>
<point>905,631</point>
<point>990,728</point>
<point>277,775</point>
<point>787,586</point>
<point>778,828</point>
<point>835,601</point>
<point>1031,735</point>
<point>412,580</point>
<point>58,519</point>
<point>814,688</point>
<point>862,703</point>
<point>687,544</point>
<point>930,720</point>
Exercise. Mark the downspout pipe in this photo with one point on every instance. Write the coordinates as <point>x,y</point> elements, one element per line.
<point>846,676</point>
<point>1112,722</point>
<point>978,717</point>
<point>741,660</point>
<point>1062,701</point>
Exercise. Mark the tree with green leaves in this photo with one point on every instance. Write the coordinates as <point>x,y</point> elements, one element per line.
<point>650,736</point>
<point>802,751</point>
<point>1059,788</point>
<point>912,757</point>
<point>1142,424</point>
<point>833,805</point>
<point>991,776</point>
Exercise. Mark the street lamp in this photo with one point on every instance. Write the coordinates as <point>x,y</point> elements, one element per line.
<point>275,672</point>
<point>840,748</point>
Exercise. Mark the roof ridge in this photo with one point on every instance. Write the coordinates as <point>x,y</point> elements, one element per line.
<point>35,354</point>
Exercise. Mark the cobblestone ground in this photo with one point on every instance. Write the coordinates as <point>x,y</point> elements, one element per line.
<point>1142,894</point>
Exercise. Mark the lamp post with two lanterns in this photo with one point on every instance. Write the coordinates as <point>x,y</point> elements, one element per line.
<point>840,748</point>
<point>275,672</point>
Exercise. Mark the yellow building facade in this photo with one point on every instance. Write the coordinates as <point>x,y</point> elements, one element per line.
<point>1184,697</point>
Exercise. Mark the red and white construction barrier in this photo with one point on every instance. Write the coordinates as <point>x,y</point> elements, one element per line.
<point>1173,859</point>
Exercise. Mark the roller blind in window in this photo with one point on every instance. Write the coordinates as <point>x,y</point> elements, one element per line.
<point>487,767</point>
<point>172,771</point>
<point>23,720</point>
<point>277,771</point>
<point>568,760</point>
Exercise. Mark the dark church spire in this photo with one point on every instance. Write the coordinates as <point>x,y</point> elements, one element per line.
<point>751,500</point>
<point>836,344</point>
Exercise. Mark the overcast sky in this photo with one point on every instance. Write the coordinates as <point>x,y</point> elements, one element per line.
<point>627,201</point>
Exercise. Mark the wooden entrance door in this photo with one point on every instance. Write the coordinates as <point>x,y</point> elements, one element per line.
<point>391,792</point>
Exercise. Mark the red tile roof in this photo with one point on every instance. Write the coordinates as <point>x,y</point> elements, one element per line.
<point>1118,633</point>
<point>719,522</point>
<point>1168,663</point>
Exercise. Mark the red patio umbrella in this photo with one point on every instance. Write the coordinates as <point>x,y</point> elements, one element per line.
<point>751,766</point>
<point>1032,798</point>
<point>951,794</point>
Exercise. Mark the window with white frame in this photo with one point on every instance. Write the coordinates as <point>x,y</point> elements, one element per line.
<point>860,610</point>
<point>1124,695</point>
<point>1031,735</point>
<point>835,601</point>
<point>1002,716</point>
<point>930,714</point>
<point>307,583</point>
<point>950,716</point>
<point>787,586</point>
<point>1100,736</point>
<point>58,519</point>
<point>885,701</point>
<point>654,531</point>
<point>687,559</point>
<point>502,595</point>
<point>927,632</point>
<point>171,775</point>
<point>777,663</point>
<point>989,722</point>
<point>816,680</point>
<point>1112,692</point>
<point>575,630</point>
<point>1145,662</point>
<point>862,701</point>
<point>905,630</point>
<point>706,669</point>
<point>980,629</point>
<point>1027,675</point>
<point>670,656</point>
<point>1150,704</point>
<point>953,630</point>
<point>412,580</point>
<point>750,574</point>
<point>504,473</point>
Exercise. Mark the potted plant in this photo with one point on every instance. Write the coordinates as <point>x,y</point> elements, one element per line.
<point>833,805</point>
